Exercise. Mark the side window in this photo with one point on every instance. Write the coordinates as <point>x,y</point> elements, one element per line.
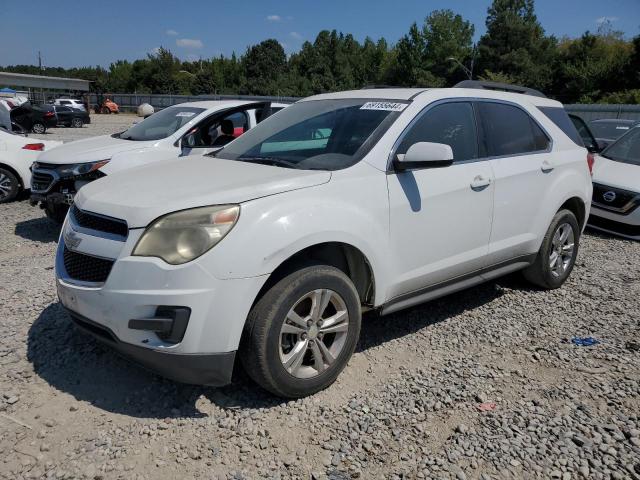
<point>450,123</point>
<point>509,130</point>
<point>65,102</point>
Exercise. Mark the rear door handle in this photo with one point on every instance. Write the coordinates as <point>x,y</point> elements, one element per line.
<point>546,167</point>
<point>480,183</point>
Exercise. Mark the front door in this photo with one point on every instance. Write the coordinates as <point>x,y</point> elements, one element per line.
<point>441,217</point>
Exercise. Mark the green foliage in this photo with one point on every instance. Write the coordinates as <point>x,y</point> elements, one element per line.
<point>597,67</point>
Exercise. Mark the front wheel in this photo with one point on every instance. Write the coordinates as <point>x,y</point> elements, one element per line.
<point>38,128</point>
<point>558,253</point>
<point>302,332</point>
<point>56,212</point>
<point>9,186</point>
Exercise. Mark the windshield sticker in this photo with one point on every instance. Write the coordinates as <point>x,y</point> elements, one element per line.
<point>388,106</point>
<point>185,114</point>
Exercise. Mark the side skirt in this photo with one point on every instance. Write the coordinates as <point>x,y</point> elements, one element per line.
<point>456,284</point>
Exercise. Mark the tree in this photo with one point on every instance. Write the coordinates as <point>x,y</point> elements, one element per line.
<point>515,44</point>
<point>264,64</point>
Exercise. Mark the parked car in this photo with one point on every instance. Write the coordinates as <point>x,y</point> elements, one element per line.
<point>34,118</point>
<point>608,130</point>
<point>270,250</point>
<point>179,131</point>
<point>71,117</point>
<point>616,187</point>
<point>70,102</point>
<point>17,153</point>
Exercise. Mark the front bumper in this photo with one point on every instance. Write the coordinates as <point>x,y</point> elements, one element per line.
<point>214,369</point>
<point>626,226</point>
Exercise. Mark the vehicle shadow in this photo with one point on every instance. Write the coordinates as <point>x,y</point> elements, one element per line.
<point>40,230</point>
<point>73,362</point>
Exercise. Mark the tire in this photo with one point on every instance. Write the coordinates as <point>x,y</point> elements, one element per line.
<point>105,110</point>
<point>38,128</point>
<point>545,272</point>
<point>77,123</point>
<point>9,185</point>
<point>56,213</point>
<point>268,352</point>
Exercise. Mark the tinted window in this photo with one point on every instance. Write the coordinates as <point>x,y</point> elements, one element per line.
<point>162,124</point>
<point>63,109</point>
<point>452,124</point>
<point>65,102</point>
<point>610,130</point>
<point>559,116</point>
<point>509,130</point>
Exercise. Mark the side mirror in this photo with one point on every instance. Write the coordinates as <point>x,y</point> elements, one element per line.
<point>425,155</point>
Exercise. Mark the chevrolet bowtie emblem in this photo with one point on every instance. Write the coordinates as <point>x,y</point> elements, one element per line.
<point>71,239</point>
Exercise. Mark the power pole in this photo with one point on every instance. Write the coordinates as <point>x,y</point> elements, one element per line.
<point>40,62</point>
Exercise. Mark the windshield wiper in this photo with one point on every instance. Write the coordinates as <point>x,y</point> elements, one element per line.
<point>277,162</point>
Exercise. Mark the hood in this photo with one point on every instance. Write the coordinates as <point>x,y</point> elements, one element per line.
<point>92,149</point>
<point>142,194</point>
<point>616,174</point>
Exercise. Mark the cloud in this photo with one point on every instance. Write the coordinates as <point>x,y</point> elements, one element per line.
<point>295,35</point>
<point>602,20</point>
<point>274,18</point>
<point>189,43</point>
<point>171,33</point>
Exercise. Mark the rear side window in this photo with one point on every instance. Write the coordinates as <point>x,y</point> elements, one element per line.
<point>452,124</point>
<point>509,130</point>
<point>559,116</point>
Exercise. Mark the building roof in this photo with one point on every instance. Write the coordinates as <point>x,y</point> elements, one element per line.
<point>40,81</point>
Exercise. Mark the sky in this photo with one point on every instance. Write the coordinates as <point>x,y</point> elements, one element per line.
<point>78,33</point>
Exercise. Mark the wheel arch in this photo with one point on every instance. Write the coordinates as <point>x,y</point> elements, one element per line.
<point>343,256</point>
<point>576,206</point>
<point>14,172</point>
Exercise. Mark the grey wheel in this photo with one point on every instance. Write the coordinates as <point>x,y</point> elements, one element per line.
<point>557,254</point>
<point>314,333</point>
<point>38,128</point>
<point>9,186</point>
<point>301,333</point>
<point>76,123</point>
<point>561,256</point>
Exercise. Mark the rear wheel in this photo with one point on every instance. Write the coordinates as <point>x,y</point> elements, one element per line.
<point>76,123</point>
<point>302,332</point>
<point>38,128</point>
<point>558,252</point>
<point>9,185</point>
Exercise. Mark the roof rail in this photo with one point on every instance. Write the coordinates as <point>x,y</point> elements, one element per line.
<point>501,87</point>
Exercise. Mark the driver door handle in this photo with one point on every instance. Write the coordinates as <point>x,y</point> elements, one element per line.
<point>546,167</point>
<point>480,183</point>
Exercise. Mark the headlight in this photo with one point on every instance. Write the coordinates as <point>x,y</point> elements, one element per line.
<point>81,168</point>
<point>180,237</point>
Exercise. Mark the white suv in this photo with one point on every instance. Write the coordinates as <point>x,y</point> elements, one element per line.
<point>271,249</point>
<point>70,102</point>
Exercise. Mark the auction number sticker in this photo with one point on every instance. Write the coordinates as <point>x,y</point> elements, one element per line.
<point>388,106</point>
<point>185,114</point>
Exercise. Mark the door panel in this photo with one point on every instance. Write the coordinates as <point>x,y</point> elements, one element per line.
<point>441,217</point>
<point>440,224</point>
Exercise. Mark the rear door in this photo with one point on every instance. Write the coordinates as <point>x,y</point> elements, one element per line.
<point>519,151</point>
<point>441,217</point>
<point>64,114</point>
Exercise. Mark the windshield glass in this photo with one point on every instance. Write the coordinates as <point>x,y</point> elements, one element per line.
<point>316,134</point>
<point>161,124</point>
<point>609,129</point>
<point>626,149</point>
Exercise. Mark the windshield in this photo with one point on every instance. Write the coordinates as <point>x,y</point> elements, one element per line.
<point>162,124</point>
<point>316,134</point>
<point>610,130</point>
<point>626,149</point>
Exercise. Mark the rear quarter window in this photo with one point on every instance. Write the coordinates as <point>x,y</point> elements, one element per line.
<point>559,116</point>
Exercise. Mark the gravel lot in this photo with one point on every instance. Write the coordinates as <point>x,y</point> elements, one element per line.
<point>100,125</point>
<point>409,405</point>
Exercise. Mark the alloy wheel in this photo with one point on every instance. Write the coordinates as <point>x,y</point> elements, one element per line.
<point>5,186</point>
<point>314,333</point>
<point>562,250</point>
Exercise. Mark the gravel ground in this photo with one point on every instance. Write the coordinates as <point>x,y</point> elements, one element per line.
<point>100,125</point>
<point>481,384</point>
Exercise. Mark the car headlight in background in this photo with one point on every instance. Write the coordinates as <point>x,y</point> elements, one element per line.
<point>180,237</point>
<point>81,168</point>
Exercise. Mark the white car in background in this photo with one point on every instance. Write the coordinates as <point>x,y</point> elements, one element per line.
<point>372,199</point>
<point>17,153</point>
<point>70,102</point>
<point>616,187</point>
<point>179,131</point>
